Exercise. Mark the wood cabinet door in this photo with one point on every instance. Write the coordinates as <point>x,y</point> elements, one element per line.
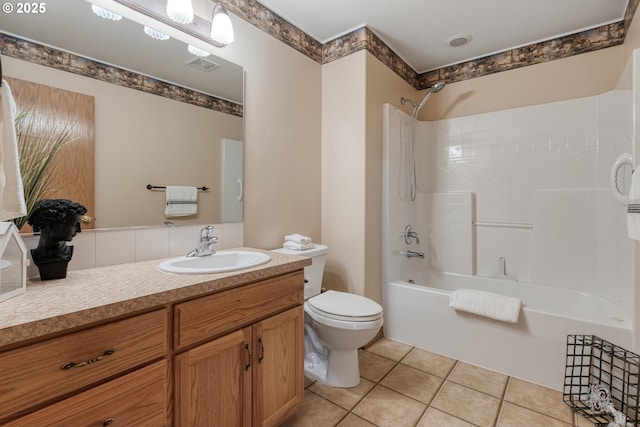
<point>213,383</point>
<point>278,367</point>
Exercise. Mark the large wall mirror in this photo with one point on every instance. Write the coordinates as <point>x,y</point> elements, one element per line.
<point>162,115</point>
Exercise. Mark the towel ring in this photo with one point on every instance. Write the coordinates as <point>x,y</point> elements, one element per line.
<point>622,160</point>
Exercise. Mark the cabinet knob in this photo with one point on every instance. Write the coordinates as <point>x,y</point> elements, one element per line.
<point>108,422</point>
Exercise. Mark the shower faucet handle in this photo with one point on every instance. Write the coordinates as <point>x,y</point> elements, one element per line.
<point>410,235</point>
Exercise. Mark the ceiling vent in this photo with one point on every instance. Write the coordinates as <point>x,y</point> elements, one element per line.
<point>202,64</point>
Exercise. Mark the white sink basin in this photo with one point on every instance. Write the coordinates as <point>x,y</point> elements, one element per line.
<point>219,262</point>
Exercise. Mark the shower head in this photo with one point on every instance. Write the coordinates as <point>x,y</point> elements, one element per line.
<point>437,87</point>
<point>433,89</point>
<point>416,107</point>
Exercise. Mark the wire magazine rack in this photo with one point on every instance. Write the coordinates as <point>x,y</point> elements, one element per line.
<point>602,381</point>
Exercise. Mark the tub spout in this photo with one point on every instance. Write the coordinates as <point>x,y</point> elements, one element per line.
<point>412,254</point>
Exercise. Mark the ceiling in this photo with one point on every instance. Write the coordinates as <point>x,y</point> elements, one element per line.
<point>417,30</point>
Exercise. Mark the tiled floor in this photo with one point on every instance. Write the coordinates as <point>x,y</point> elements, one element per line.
<point>406,386</point>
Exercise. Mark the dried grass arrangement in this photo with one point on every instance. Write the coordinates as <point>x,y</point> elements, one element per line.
<point>40,140</point>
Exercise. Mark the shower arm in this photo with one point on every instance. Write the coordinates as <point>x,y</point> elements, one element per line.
<point>416,107</point>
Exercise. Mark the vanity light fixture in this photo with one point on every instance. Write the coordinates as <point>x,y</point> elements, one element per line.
<point>180,11</point>
<point>155,34</point>
<point>104,13</point>
<point>197,51</point>
<point>221,28</point>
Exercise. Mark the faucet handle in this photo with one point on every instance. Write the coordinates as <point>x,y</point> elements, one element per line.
<point>206,234</point>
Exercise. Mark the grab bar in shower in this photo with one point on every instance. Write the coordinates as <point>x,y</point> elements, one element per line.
<point>503,224</point>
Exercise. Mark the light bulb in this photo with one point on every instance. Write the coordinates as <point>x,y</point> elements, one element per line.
<point>180,11</point>
<point>155,34</point>
<point>104,13</point>
<point>221,28</point>
<point>197,51</point>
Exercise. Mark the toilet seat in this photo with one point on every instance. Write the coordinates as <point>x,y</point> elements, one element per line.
<point>345,307</point>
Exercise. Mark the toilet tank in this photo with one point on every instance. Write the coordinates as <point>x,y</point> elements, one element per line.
<point>312,273</point>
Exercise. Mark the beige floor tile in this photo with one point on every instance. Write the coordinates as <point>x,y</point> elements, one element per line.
<point>355,421</point>
<point>308,382</point>
<point>429,362</point>
<point>581,421</point>
<point>467,404</point>
<point>436,418</point>
<point>517,416</point>
<point>316,412</point>
<point>374,367</point>
<point>387,408</point>
<point>538,398</point>
<point>390,349</point>
<point>345,397</point>
<point>412,382</point>
<point>480,379</point>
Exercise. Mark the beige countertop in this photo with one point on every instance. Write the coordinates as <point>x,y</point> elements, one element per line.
<point>97,294</point>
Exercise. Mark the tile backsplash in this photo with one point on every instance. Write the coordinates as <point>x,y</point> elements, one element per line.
<point>96,248</point>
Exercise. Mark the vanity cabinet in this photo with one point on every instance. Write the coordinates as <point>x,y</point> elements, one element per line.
<point>250,372</point>
<point>232,358</point>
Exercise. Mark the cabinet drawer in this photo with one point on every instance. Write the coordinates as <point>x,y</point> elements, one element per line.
<point>39,372</point>
<point>137,399</point>
<point>205,317</point>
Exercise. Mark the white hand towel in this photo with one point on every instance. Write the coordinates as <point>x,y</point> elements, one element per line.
<point>181,201</point>
<point>297,246</point>
<point>298,238</point>
<point>495,306</point>
<point>12,204</point>
<point>633,207</point>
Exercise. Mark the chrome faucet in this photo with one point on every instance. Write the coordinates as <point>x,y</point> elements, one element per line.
<point>207,240</point>
<point>410,235</point>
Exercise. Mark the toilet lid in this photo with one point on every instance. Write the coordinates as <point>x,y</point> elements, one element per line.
<point>345,306</point>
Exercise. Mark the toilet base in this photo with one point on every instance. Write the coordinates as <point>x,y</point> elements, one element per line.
<point>342,369</point>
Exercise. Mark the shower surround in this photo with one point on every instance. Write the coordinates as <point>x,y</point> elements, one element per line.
<point>528,185</point>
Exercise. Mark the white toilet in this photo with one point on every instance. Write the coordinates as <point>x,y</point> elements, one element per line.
<point>336,325</point>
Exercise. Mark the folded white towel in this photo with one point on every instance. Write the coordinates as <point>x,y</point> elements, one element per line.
<point>495,306</point>
<point>298,238</point>
<point>181,201</point>
<point>297,246</point>
<point>12,203</point>
<point>633,208</point>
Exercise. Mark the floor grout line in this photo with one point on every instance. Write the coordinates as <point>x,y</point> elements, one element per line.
<point>459,380</point>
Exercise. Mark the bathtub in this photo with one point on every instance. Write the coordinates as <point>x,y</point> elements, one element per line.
<point>417,313</point>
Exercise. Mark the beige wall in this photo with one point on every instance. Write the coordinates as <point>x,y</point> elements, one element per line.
<point>282,136</point>
<point>343,173</point>
<point>569,78</point>
<point>144,139</point>
<point>353,91</point>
